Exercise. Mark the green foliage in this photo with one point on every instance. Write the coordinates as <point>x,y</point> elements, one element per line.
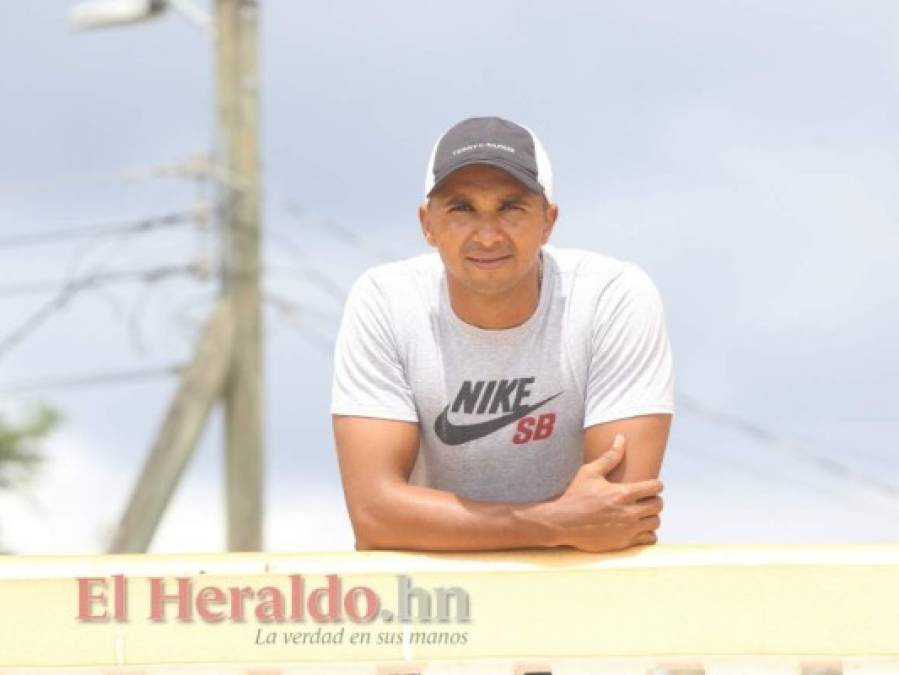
<point>20,452</point>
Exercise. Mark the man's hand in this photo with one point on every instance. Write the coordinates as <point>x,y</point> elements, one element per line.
<point>596,515</point>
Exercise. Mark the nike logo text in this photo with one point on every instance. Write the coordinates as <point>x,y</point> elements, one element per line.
<point>456,434</point>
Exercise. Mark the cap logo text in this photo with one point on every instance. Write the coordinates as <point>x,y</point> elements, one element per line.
<point>477,146</point>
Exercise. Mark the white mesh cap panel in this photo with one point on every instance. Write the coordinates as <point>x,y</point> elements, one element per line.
<point>544,168</point>
<point>429,176</point>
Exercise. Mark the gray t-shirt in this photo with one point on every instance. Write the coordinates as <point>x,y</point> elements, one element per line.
<point>501,413</point>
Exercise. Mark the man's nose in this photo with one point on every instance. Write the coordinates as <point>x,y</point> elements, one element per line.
<point>487,231</point>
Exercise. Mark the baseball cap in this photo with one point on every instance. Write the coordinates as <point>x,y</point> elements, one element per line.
<point>494,141</point>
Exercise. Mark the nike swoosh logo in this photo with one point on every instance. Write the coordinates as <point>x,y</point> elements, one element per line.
<point>456,434</point>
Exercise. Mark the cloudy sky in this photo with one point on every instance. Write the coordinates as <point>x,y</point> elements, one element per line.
<point>743,153</point>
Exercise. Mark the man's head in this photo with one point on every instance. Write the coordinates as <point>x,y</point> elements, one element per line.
<point>488,207</point>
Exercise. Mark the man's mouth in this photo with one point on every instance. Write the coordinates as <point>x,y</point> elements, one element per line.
<point>488,262</point>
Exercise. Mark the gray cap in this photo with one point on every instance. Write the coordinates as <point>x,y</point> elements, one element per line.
<point>496,142</point>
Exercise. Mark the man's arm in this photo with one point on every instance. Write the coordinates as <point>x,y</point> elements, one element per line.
<point>647,436</point>
<point>630,381</point>
<point>376,457</point>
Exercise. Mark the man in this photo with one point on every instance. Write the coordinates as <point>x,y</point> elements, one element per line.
<point>504,393</point>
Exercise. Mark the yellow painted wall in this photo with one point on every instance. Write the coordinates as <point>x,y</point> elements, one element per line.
<point>672,600</point>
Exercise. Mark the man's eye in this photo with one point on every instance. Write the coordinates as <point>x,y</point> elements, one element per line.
<point>460,207</point>
<point>511,206</point>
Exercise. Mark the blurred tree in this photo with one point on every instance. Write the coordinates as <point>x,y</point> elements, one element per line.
<point>20,452</point>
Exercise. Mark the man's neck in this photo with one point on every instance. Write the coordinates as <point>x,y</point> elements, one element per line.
<point>496,312</point>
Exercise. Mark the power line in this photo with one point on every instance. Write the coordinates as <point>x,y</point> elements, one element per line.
<point>291,313</point>
<point>324,344</point>
<point>115,377</point>
<point>766,478</point>
<point>317,278</point>
<point>321,342</point>
<point>93,280</point>
<point>295,310</point>
<point>304,268</point>
<point>72,288</point>
<point>193,167</point>
<point>122,238</point>
<point>109,229</point>
<point>342,233</point>
<point>770,438</point>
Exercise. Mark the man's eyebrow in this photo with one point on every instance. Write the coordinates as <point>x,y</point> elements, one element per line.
<point>518,197</point>
<point>455,198</point>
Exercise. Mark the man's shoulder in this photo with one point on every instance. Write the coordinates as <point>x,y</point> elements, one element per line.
<point>591,277</point>
<point>401,284</point>
<point>422,265</point>
<point>579,266</point>
<point>406,274</point>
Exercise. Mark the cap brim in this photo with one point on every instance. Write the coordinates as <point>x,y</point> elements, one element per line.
<point>519,174</point>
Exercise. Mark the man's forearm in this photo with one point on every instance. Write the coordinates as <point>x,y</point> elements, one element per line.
<point>421,518</point>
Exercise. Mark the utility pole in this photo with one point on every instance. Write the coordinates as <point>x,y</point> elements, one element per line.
<point>228,362</point>
<point>237,101</point>
<point>199,389</point>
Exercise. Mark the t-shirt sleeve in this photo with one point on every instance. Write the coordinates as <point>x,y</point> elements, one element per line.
<point>369,379</point>
<point>630,370</point>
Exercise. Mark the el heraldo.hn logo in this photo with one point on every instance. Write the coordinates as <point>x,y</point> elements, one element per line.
<point>489,397</point>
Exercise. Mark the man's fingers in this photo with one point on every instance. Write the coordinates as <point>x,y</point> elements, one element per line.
<point>643,488</point>
<point>608,460</point>
<point>650,523</point>
<point>650,506</point>
<point>646,538</point>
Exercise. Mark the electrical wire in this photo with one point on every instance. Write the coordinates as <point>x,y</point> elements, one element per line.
<point>341,233</point>
<point>303,267</point>
<point>317,278</point>
<point>291,313</point>
<point>295,310</point>
<point>71,288</point>
<point>77,381</point>
<point>322,343</point>
<point>103,230</point>
<point>194,166</point>
<point>770,438</point>
<point>94,280</point>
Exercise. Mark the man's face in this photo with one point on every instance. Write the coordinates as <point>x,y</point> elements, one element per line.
<point>488,228</point>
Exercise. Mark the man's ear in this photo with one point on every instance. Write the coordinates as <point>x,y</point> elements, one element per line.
<point>552,214</point>
<point>425,219</point>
